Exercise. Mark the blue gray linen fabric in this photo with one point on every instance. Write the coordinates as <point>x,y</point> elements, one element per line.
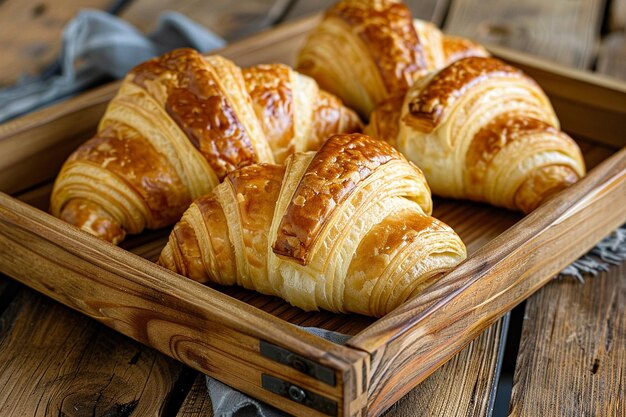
<point>228,402</point>
<point>96,46</point>
<point>610,251</point>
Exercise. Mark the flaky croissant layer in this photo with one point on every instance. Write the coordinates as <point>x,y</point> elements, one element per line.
<point>177,126</point>
<point>346,229</point>
<point>367,50</point>
<point>482,130</point>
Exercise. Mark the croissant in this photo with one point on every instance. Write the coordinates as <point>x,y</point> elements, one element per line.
<point>366,50</point>
<point>177,126</point>
<point>484,131</point>
<point>345,229</point>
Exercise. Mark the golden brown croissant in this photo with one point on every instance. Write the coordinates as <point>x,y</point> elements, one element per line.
<point>482,130</point>
<point>346,229</point>
<point>177,126</point>
<point>366,50</point>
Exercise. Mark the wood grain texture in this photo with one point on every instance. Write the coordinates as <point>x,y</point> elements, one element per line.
<point>56,362</point>
<point>406,345</point>
<point>44,139</point>
<point>572,358</point>
<point>477,224</point>
<point>564,31</point>
<point>198,326</point>
<point>464,386</point>
<point>228,19</point>
<point>29,51</point>
<point>197,402</point>
<point>612,56</point>
<point>617,15</point>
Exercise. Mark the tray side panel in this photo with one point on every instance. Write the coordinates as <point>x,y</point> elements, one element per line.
<point>156,307</point>
<point>411,342</point>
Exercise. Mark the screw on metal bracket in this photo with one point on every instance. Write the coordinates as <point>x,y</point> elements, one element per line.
<point>300,395</point>
<point>296,393</point>
<point>297,362</point>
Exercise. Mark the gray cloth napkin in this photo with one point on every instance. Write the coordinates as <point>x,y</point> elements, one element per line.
<point>610,251</point>
<point>97,46</point>
<point>228,402</point>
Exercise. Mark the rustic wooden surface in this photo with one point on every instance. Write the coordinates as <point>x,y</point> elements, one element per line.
<point>30,32</point>
<point>457,372</point>
<point>69,365</point>
<point>573,342</point>
<point>565,31</point>
<point>612,56</point>
<point>464,386</point>
<point>155,307</point>
<point>617,15</point>
<point>573,350</point>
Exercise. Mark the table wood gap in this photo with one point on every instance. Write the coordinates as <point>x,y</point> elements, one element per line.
<point>617,15</point>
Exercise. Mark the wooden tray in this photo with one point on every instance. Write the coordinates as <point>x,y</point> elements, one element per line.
<point>245,339</point>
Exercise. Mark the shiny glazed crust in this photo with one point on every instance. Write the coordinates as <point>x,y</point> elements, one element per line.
<point>482,130</point>
<point>366,50</point>
<point>295,114</point>
<point>332,175</point>
<point>177,126</point>
<point>319,222</point>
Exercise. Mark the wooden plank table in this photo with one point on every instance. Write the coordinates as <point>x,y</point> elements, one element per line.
<point>571,358</point>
